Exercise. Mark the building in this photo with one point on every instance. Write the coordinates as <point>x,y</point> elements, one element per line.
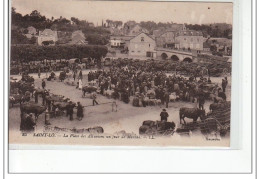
<point>189,39</point>
<point>31,32</point>
<point>120,41</point>
<point>137,29</point>
<point>166,39</point>
<point>178,37</point>
<point>47,35</point>
<point>142,45</point>
<point>78,38</point>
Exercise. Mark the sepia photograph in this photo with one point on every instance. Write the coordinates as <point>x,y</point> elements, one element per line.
<point>120,73</point>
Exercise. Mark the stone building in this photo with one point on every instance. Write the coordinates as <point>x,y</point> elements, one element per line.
<point>47,35</point>
<point>142,45</point>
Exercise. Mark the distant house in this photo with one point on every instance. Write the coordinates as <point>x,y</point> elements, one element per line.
<point>167,39</point>
<point>142,45</point>
<point>137,29</point>
<point>120,41</point>
<point>221,44</point>
<point>31,31</point>
<point>78,38</point>
<point>47,35</point>
<point>179,37</point>
<point>189,39</point>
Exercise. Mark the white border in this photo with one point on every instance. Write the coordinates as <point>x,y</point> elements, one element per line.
<point>177,161</point>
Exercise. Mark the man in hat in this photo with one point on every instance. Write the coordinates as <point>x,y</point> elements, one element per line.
<point>164,115</point>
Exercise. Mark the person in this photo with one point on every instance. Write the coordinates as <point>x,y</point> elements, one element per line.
<point>27,122</point>
<point>201,101</point>
<point>47,117</point>
<point>44,94</point>
<point>74,75</point>
<point>70,110</point>
<point>224,85</point>
<point>142,99</point>
<point>39,73</point>
<point>222,94</point>
<point>36,97</point>
<point>80,111</point>
<point>80,75</point>
<point>94,97</point>
<point>209,80</point>
<point>80,84</point>
<point>167,98</point>
<point>164,115</point>
<point>43,84</point>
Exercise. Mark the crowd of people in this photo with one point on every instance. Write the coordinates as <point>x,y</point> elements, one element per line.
<point>144,83</point>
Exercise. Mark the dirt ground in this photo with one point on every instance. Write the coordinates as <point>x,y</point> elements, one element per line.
<point>127,117</point>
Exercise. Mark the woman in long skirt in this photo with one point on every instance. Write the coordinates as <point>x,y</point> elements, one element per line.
<point>80,84</point>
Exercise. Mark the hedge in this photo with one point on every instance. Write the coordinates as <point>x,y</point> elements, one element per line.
<point>34,53</point>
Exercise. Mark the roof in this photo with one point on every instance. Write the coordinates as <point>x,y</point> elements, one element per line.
<point>47,32</point>
<point>78,32</point>
<point>120,37</point>
<point>143,33</point>
<point>189,33</point>
<point>78,37</point>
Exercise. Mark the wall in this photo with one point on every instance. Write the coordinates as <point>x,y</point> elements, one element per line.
<point>139,48</point>
<point>192,42</point>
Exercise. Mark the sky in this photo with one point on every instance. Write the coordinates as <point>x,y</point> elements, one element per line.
<point>96,11</point>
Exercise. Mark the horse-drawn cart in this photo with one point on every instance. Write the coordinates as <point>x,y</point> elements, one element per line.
<point>157,128</point>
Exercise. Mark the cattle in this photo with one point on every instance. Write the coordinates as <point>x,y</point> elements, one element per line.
<point>62,105</point>
<point>40,91</point>
<point>16,98</point>
<point>88,89</point>
<point>36,109</point>
<point>27,86</point>
<point>192,113</point>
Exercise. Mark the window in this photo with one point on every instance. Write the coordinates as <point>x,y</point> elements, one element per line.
<point>149,45</point>
<point>185,39</point>
<point>142,39</point>
<point>198,39</point>
<point>133,51</point>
